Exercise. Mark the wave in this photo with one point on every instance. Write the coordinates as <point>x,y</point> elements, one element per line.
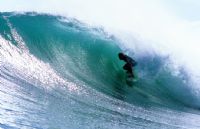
<point>55,50</point>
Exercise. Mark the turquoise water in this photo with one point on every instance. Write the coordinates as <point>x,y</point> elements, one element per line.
<point>58,72</point>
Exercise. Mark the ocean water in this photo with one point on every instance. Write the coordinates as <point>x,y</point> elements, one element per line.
<point>60,73</point>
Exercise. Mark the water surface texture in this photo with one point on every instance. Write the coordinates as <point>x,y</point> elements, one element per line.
<point>59,73</point>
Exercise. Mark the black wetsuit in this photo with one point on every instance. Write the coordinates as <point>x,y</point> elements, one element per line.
<point>129,64</point>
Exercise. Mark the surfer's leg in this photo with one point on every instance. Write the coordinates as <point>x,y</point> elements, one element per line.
<point>129,70</point>
<point>126,67</point>
<point>130,74</point>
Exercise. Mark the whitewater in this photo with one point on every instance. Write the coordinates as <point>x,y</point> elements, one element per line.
<point>61,70</point>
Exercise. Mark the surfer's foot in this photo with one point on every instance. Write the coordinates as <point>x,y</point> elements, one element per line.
<point>131,75</point>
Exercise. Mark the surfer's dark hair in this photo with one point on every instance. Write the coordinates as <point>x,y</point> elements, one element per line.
<point>121,56</point>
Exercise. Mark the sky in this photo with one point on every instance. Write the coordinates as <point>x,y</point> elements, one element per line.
<point>173,24</point>
<point>186,9</point>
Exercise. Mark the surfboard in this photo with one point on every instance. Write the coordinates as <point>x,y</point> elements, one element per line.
<point>130,80</point>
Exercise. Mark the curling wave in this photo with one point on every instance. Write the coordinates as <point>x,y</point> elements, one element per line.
<point>53,52</point>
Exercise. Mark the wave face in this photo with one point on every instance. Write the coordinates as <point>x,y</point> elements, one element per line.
<point>57,72</point>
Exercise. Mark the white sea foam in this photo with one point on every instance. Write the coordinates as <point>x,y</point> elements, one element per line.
<point>24,65</point>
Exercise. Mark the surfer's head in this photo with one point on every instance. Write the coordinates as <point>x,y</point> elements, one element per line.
<point>121,56</point>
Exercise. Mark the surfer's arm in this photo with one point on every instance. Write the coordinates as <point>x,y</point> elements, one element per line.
<point>131,61</point>
<point>134,63</point>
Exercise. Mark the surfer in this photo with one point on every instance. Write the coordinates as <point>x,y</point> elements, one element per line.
<point>130,63</point>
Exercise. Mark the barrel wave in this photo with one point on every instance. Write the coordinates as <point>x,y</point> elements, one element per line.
<point>58,72</point>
